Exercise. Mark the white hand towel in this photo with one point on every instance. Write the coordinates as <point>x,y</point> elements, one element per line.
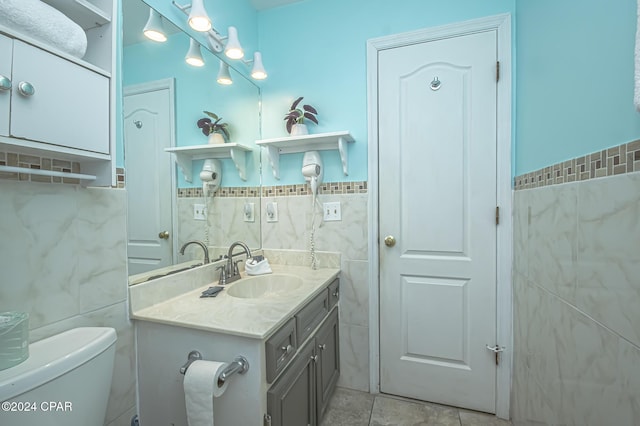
<point>42,22</point>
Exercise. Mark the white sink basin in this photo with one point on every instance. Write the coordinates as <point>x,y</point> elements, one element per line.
<point>264,286</point>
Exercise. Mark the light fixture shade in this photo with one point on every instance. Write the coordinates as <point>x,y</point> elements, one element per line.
<point>257,71</point>
<point>233,49</point>
<point>198,18</point>
<point>194,57</point>
<point>223,75</point>
<point>154,30</point>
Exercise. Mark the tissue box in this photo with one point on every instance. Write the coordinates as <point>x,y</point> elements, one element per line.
<point>14,338</point>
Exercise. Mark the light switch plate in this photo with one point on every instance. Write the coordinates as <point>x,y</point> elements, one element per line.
<point>332,211</point>
<point>249,212</point>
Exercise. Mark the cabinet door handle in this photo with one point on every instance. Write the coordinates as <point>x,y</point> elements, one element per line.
<point>322,347</point>
<point>287,349</point>
<point>5,83</point>
<point>314,358</point>
<point>26,89</point>
<point>336,293</point>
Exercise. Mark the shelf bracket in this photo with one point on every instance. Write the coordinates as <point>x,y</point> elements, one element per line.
<point>274,159</point>
<point>239,158</point>
<point>184,162</point>
<point>344,157</point>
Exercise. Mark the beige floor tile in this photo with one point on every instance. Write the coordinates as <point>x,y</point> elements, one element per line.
<point>470,418</point>
<point>394,412</point>
<point>348,408</point>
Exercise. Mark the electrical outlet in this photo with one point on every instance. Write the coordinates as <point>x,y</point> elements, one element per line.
<point>199,212</point>
<point>249,212</point>
<point>332,211</point>
<point>272,212</point>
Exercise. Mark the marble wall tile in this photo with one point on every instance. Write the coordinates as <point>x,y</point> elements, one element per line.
<point>553,238</point>
<point>608,287</point>
<point>354,357</point>
<point>354,293</point>
<point>291,229</point>
<point>521,232</point>
<point>63,261</point>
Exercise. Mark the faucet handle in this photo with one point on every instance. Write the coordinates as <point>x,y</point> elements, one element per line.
<point>236,271</point>
<point>223,274</point>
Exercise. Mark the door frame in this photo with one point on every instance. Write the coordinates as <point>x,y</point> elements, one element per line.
<point>504,237</point>
<point>152,86</point>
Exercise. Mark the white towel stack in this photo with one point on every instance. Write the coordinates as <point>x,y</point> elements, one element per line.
<point>257,266</point>
<point>44,23</point>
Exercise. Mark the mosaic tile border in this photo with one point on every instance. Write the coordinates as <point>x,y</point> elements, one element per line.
<point>41,163</point>
<point>617,160</point>
<point>337,188</point>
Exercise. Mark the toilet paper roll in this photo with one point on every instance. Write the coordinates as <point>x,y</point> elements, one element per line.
<point>200,387</point>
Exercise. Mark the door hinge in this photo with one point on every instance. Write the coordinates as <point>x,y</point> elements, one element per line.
<point>497,215</point>
<point>497,350</point>
<point>267,420</point>
<point>497,71</point>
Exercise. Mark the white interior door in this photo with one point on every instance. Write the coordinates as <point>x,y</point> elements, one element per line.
<point>147,132</point>
<point>437,198</point>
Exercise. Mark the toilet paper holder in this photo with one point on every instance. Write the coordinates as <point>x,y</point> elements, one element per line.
<point>239,365</point>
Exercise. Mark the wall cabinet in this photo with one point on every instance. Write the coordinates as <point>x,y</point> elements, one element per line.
<point>56,106</point>
<point>301,395</point>
<point>55,101</point>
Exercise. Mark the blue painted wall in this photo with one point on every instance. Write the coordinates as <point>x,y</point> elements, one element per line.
<point>196,91</point>
<point>574,79</point>
<point>317,49</point>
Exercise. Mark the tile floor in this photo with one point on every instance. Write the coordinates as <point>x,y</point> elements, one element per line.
<point>353,408</point>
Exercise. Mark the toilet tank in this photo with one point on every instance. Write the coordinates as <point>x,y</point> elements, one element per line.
<point>65,381</point>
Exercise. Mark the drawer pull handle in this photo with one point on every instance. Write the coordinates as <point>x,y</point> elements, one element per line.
<point>336,293</point>
<point>5,83</point>
<point>26,89</point>
<point>287,349</point>
<point>322,347</point>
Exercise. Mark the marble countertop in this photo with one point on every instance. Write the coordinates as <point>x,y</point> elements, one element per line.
<point>254,318</point>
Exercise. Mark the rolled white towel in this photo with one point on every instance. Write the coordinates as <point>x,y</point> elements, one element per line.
<point>44,23</point>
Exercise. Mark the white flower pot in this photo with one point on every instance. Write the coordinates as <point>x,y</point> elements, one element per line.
<point>299,129</point>
<point>216,138</point>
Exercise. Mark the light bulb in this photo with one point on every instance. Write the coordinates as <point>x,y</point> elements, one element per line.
<point>198,18</point>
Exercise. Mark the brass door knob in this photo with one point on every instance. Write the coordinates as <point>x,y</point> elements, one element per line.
<point>164,235</point>
<point>389,241</point>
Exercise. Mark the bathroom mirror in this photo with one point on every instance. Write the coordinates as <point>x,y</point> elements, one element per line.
<point>166,210</point>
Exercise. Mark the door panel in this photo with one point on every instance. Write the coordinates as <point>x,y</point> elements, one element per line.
<point>6,53</point>
<point>148,179</point>
<point>437,197</point>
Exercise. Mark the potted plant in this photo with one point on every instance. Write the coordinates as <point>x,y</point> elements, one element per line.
<point>216,130</point>
<point>295,118</point>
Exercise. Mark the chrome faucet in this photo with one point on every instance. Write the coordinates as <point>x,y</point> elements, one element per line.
<point>201,244</point>
<point>231,273</point>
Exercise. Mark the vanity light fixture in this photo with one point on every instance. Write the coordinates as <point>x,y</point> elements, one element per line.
<point>198,18</point>
<point>233,49</point>
<point>224,77</point>
<point>194,56</point>
<point>154,30</point>
<point>257,71</point>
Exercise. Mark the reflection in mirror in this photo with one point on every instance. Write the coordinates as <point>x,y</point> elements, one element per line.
<point>163,100</point>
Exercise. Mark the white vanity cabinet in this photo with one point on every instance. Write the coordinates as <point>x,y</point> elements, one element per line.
<point>55,101</point>
<point>6,49</point>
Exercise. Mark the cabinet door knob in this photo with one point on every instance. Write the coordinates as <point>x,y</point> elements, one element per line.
<point>314,358</point>
<point>26,89</point>
<point>287,349</point>
<point>336,293</point>
<point>164,235</point>
<point>5,83</point>
<point>322,347</point>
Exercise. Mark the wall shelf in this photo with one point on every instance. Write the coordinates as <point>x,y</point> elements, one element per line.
<point>318,142</point>
<point>186,154</point>
<point>82,12</point>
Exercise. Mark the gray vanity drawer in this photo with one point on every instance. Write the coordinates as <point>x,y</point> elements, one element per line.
<point>334,293</point>
<point>311,316</point>
<point>280,348</point>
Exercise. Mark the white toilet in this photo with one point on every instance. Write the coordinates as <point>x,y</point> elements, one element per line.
<point>65,381</point>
